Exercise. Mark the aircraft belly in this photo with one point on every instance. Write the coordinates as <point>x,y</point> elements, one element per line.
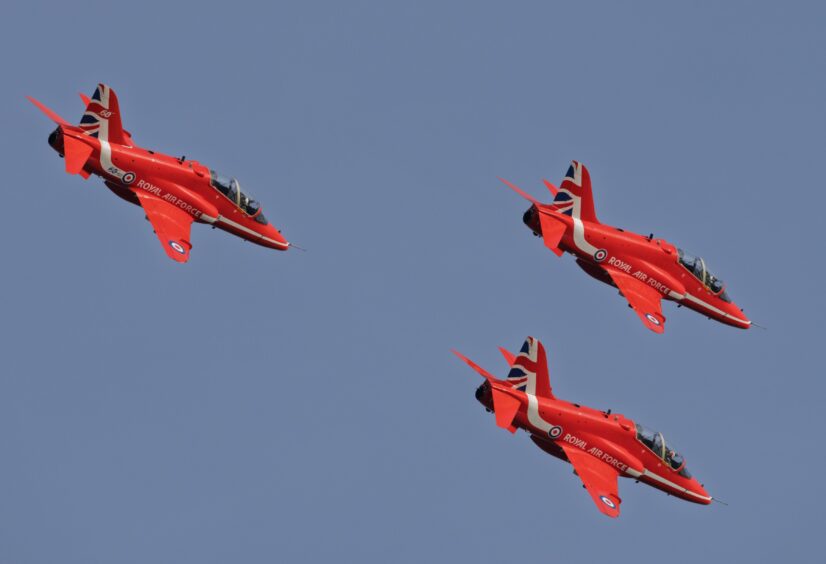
<point>594,271</point>
<point>122,192</point>
<point>549,447</point>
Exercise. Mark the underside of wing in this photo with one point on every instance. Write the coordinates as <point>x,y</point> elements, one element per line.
<point>645,300</point>
<point>172,225</point>
<point>599,479</point>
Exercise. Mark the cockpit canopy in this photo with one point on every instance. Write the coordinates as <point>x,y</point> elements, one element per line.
<point>230,188</point>
<point>697,267</point>
<point>656,444</point>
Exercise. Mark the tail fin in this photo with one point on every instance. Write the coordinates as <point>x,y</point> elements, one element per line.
<point>574,197</point>
<point>529,370</point>
<point>102,117</point>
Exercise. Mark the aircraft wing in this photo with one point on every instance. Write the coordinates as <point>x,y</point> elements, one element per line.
<point>171,224</point>
<point>645,300</point>
<point>599,479</point>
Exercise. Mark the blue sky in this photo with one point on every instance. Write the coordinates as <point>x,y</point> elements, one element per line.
<point>258,406</point>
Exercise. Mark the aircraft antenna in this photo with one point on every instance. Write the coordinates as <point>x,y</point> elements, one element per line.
<point>718,501</point>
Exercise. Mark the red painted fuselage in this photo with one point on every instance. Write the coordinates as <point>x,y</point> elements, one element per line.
<point>654,262</point>
<point>610,438</point>
<point>173,191</point>
<point>602,446</point>
<point>646,270</point>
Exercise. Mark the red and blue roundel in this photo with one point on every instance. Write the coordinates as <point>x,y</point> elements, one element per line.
<point>555,432</point>
<point>177,247</point>
<point>608,501</point>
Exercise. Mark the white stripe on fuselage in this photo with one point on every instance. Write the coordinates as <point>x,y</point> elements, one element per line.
<point>579,228</point>
<point>106,155</point>
<point>579,236</point>
<point>251,232</point>
<point>696,300</point>
<point>657,478</point>
<point>105,148</point>
<point>533,411</point>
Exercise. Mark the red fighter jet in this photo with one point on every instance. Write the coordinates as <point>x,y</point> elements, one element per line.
<point>173,192</point>
<point>601,446</point>
<point>645,270</point>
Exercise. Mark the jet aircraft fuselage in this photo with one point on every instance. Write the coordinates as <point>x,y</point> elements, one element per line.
<point>602,446</point>
<point>174,192</point>
<point>646,270</point>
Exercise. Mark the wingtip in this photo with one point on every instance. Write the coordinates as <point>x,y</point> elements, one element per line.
<point>518,190</point>
<point>509,356</point>
<point>551,186</point>
<point>481,371</point>
<point>49,113</point>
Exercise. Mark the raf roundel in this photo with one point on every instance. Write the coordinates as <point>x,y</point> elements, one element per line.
<point>189,195</point>
<point>607,501</point>
<point>177,247</point>
<point>652,319</point>
<point>555,432</point>
<point>600,255</point>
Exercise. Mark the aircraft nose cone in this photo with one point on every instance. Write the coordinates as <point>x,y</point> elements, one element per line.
<point>280,242</point>
<point>698,488</point>
<point>742,321</point>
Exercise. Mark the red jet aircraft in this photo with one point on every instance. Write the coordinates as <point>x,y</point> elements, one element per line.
<point>601,446</point>
<point>645,270</point>
<point>173,192</point>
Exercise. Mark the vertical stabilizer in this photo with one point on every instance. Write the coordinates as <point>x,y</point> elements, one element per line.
<point>574,197</point>
<point>529,370</point>
<point>102,117</point>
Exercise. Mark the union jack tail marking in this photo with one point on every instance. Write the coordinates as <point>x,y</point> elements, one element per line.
<point>102,117</point>
<point>574,197</point>
<point>529,371</point>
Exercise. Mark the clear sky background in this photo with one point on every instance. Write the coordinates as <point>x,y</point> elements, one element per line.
<point>255,406</point>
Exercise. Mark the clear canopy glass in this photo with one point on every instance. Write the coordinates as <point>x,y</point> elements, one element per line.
<point>697,267</point>
<point>231,188</point>
<point>656,444</point>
